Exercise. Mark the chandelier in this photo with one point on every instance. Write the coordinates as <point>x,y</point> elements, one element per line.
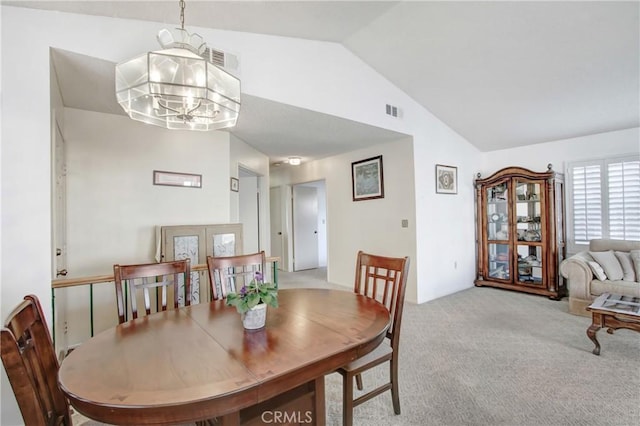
<point>177,87</point>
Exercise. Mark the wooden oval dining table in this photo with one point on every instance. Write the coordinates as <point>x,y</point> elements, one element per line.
<point>197,362</point>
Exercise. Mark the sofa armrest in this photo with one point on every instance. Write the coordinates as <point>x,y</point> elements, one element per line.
<point>578,274</point>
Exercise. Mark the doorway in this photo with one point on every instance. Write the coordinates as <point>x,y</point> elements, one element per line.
<point>249,209</point>
<point>309,225</point>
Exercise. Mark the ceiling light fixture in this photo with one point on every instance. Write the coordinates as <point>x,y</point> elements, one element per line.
<point>177,87</point>
<point>294,161</point>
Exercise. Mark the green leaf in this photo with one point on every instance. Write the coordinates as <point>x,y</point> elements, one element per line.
<point>252,300</point>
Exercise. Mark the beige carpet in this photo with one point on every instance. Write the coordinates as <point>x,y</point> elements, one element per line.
<point>490,357</point>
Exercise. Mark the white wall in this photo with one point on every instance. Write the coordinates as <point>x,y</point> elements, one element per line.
<point>247,157</point>
<point>275,68</point>
<point>558,153</point>
<point>25,177</point>
<point>371,225</point>
<point>113,207</point>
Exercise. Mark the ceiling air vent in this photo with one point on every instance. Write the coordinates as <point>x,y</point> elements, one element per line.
<point>225,60</point>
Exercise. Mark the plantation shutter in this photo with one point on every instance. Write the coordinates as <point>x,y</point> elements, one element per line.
<point>624,200</point>
<point>604,200</point>
<point>587,202</point>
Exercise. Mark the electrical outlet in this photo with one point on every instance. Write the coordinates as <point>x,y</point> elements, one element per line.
<point>405,223</point>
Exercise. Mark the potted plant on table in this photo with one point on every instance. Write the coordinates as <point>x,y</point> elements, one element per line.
<point>251,301</point>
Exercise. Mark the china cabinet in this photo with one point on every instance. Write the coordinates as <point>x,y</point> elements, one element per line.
<point>520,231</point>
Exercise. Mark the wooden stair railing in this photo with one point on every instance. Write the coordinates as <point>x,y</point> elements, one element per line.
<point>99,279</point>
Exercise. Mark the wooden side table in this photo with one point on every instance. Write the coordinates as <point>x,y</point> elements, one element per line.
<point>613,311</point>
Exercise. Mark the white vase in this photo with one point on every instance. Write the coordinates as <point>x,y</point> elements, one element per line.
<point>255,317</point>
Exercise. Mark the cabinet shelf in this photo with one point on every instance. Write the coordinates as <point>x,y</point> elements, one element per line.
<point>521,238</point>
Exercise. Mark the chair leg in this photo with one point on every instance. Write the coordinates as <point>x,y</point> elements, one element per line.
<point>347,400</point>
<point>395,396</point>
<point>359,381</point>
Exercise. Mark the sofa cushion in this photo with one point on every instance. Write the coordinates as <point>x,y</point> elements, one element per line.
<point>625,288</point>
<point>598,271</point>
<point>617,245</point>
<point>629,272</point>
<point>635,258</point>
<point>609,263</point>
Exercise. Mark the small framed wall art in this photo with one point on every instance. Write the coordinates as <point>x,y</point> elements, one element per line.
<point>186,180</point>
<point>446,179</point>
<point>367,179</point>
<point>235,184</point>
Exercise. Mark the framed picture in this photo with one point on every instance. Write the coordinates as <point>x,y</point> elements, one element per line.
<point>367,180</point>
<point>186,180</point>
<point>235,184</point>
<point>446,179</point>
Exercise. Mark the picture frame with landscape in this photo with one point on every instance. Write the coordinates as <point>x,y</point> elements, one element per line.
<point>367,179</point>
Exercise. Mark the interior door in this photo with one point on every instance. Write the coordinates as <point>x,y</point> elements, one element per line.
<point>59,208</point>
<point>277,236</point>
<point>305,231</point>
<point>249,210</point>
<point>59,213</point>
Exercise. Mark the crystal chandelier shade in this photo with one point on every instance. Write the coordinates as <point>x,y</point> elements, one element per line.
<point>176,88</point>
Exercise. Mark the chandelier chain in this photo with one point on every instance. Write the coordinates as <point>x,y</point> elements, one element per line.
<point>182,6</point>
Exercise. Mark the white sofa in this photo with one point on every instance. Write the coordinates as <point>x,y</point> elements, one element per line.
<point>584,287</point>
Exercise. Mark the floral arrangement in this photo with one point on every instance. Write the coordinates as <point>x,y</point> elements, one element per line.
<point>254,293</point>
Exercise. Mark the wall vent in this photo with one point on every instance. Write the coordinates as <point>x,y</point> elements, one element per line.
<point>393,111</point>
<point>226,60</point>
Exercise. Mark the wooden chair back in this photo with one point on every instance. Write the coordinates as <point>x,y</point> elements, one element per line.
<point>137,280</point>
<point>385,280</point>
<point>228,274</point>
<point>32,367</point>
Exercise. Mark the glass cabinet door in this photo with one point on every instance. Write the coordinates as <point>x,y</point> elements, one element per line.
<point>529,228</point>
<point>528,211</point>
<point>499,261</point>
<point>529,264</point>
<point>498,212</point>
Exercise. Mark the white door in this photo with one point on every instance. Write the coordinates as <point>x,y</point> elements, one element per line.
<point>59,217</point>
<point>305,231</point>
<point>277,237</point>
<point>249,199</point>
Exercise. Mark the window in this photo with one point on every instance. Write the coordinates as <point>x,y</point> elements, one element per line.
<point>603,200</point>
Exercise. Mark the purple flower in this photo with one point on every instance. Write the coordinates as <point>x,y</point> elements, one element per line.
<point>259,276</point>
<point>243,291</point>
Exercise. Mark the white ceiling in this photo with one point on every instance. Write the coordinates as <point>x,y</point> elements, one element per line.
<point>501,74</point>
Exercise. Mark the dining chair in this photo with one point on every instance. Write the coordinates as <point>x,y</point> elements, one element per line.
<point>385,280</point>
<point>30,361</point>
<point>229,273</point>
<point>136,280</point>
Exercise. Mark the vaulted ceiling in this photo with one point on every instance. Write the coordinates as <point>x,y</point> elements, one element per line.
<point>501,74</point>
